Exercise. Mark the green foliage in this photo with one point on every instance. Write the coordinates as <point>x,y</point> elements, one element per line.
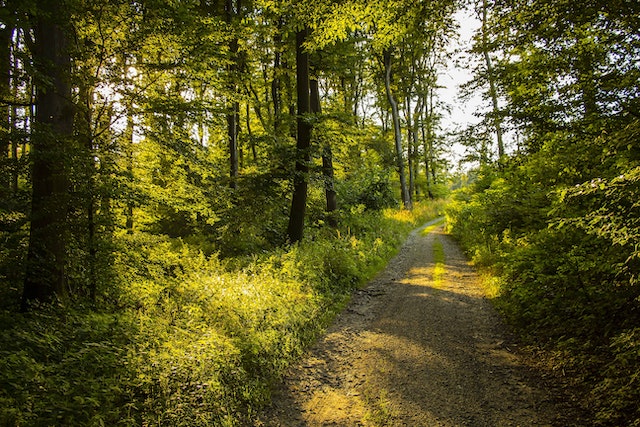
<point>560,240</point>
<point>189,340</point>
<point>62,367</point>
<point>371,188</point>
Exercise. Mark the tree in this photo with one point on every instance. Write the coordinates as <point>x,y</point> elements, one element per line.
<point>568,75</point>
<point>46,259</point>
<point>5,112</point>
<point>491,78</point>
<point>303,144</point>
<point>233,13</point>
<point>397,131</point>
<point>327,157</point>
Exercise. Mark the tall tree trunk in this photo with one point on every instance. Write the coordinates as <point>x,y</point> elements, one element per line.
<point>276,96</point>
<point>417,113</point>
<point>86,134</point>
<point>252,141</point>
<point>491,76</point>
<point>6,120</point>
<point>397,132</point>
<point>303,144</point>
<point>327,160</point>
<point>45,274</point>
<point>410,147</point>
<point>233,107</point>
<point>427,132</point>
<point>129,153</point>
<point>14,137</point>
<point>586,80</point>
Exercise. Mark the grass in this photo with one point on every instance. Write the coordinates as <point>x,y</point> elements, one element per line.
<point>439,266</point>
<point>427,230</point>
<point>380,410</point>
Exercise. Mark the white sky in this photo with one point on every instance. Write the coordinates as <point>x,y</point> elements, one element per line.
<point>455,75</point>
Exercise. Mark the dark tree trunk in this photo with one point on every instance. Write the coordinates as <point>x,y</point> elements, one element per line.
<point>14,139</point>
<point>45,274</point>
<point>276,96</point>
<point>300,178</point>
<point>233,107</point>
<point>252,141</point>
<point>427,134</point>
<point>417,112</point>
<point>232,132</point>
<point>327,160</point>
<point>129,147</point>
<point>395,115</point>
<point>410,148</point>
<point>5,94</point>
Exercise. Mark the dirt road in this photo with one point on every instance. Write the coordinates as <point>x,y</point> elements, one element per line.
<point>419,346</point>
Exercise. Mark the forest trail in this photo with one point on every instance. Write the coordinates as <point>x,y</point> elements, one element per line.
<point>419,346</point>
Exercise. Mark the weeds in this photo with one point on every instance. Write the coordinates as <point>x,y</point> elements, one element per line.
<point>188,339</point>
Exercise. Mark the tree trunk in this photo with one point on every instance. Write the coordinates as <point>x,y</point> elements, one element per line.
<point>233,107</point>
<point>129,153</point>
<point>86,136</point>
<point>276,97</point>
<point>13,137</point>
<point>300,179</point>
<point>426,138</point>
<point>493,93</point>
<point>410,147</point>
<point>417,112</point>
<point>327,160</point>
<point>232,133</point>
<point>6,123</point>
<point>397,132</point>
<point>45,274</point>
<point>252,141</point>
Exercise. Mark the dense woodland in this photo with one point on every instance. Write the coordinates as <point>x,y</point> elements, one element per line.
<point>191,189</point>
<point>554,220</point>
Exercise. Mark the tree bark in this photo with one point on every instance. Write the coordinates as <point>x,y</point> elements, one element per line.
<point>252,142</point>
<point>397,132</point>
<point>233,107</point>
<point>493,92</point>
<point>5,94</point>
<point>327,160</point>
<point>410,147</point>
<point>417,112</point>
<point>300,178</point>
<point>427,135</point>
<point>276,96</point>
<point>45,267</point>
<point>14,138</point>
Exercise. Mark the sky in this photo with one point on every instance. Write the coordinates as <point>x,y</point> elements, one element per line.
<point>452,77</point>
<point>455,75</point>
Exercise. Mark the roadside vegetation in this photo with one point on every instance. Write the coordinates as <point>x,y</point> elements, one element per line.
<point>554,222</point>
<point>189,339</point>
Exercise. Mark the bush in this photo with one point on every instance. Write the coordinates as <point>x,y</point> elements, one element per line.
<point>565,260</point>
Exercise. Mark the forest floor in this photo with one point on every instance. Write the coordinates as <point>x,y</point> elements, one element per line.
<point>420,345</point>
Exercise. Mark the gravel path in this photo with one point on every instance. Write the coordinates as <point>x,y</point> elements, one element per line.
<point>419,346</point>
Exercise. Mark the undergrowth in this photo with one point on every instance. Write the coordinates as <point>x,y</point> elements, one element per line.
<point>187,339</point>
<point>571,295</point>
